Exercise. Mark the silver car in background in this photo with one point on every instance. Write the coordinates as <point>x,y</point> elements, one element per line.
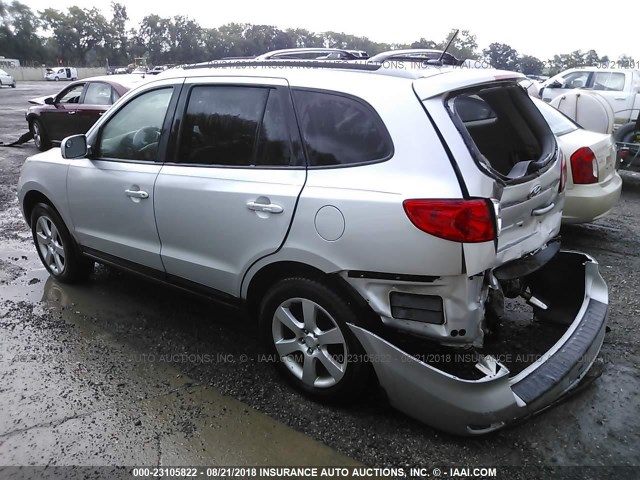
<point>342,205</point>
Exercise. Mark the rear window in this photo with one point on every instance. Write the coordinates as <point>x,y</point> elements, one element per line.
<point>558,122</point>
<point>503,129</point>
<point>340,130</point>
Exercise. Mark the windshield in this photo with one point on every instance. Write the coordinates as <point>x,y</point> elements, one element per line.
<point>559,123</point>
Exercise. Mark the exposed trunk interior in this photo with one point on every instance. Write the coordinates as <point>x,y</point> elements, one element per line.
<point>503,129</point>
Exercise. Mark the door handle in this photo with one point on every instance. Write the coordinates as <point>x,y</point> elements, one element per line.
<point>265,207</point>
<point>137,193</point>
<point>541,211</point>
<point>619,98</point>
<point>73,112</point>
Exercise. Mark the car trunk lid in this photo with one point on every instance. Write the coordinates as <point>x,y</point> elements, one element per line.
<point>508,154</point>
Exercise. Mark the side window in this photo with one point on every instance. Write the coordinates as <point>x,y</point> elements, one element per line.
<point>472,108</point>
<point>71,95</point>
<point>221,125</point>
<point>338,130</point>
<point>134,131</point>
<point>274,142</point>
<point>98,94</point>
<point>611,81</point>
<point>576,80</point>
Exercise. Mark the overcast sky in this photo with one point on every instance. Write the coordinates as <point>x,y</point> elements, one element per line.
<point>539,28</point>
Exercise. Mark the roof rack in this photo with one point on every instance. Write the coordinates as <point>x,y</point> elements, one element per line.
<point>417,54</point>
<point>337,64</point>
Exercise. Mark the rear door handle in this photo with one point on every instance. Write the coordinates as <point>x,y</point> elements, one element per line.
<point>265,207</point>
<point>541,211</point>
<point>72,112</point>
<point>137,193</point>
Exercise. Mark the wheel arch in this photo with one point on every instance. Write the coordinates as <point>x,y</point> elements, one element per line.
<point>271,273</point>
<point>31,199</point>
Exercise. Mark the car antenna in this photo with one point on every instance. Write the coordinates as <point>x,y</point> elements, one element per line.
<point>447,47</point>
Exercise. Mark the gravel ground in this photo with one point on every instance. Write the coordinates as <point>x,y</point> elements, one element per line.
<point>219,349</point>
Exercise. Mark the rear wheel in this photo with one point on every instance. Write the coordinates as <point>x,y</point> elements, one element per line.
<point>13,85</point>
<point>56,248</point>
<point>304,324</point>
<point>39,135</point>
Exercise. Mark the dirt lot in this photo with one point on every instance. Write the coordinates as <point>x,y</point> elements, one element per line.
<point>126,361</point>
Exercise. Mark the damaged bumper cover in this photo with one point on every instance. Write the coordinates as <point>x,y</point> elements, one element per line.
<point>577,295</point>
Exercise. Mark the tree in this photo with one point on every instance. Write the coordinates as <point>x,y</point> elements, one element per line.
<point>463,47</point>
<point>502,56</point>
<point>424,43</point>
<point>80,34</point>
<point>153,35</point>
<point>626,61</point>
<point>530,65</point>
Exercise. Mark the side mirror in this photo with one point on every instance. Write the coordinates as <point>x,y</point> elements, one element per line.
<point>74,146</point>
<point>556,84</point>
<point>49,101</point>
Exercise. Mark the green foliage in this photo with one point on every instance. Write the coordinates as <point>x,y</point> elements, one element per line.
<point>502,56</point>
<point>85,37</point>
<point>530,65</point>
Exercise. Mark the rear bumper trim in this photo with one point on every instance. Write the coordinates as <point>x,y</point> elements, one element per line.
<point>561,363</point>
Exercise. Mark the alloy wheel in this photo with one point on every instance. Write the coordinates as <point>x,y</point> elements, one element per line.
<point>309,342</point>
<point>50,245</point>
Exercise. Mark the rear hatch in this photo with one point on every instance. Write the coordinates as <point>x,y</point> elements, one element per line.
<point>502,149</point>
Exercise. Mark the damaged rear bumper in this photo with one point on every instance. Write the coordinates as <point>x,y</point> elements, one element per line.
<point>577,296</point>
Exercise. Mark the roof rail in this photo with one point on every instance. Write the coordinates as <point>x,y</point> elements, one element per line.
<point>256,63</point>
<point>417,54</point>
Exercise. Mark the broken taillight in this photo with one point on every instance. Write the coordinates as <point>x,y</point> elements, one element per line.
<point>466,221</point>
<point>584,166</point>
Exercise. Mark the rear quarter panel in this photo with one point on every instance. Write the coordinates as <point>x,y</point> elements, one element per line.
<point>378,236</point>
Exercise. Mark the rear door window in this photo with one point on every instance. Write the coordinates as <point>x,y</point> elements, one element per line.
<point>237,126</point>
<point>340,130</point>
<point>609,81</point>
<point>98,93</point>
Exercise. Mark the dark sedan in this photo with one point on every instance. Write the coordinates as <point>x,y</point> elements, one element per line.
<point>75,108</point>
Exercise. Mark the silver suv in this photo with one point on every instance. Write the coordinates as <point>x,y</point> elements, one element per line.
<point>346,207</point>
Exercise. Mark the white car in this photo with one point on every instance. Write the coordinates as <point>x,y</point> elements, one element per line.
<point>6,79</point>
<point>593,184</point>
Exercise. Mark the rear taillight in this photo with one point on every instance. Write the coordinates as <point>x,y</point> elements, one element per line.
<point>563,174</point>
<point>584,166</point>
<point>466,221</point>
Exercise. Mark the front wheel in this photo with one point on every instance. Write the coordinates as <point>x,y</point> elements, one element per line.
<point>39,135</point>
<point>304,324</point>
<point>13,85</point>
<point>56,249</point>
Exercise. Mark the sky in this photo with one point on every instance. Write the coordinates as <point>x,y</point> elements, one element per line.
<point>538,28</point>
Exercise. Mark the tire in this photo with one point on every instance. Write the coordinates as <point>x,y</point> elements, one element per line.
<point>303,323</point>
<point>625,133</point>
<point>56,248</point>
<point>57,79</point>
<point>13,85</point>
<point>40,137</point>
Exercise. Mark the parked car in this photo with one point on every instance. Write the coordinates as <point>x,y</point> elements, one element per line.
<point>345,209</point>
<point>619,87</point>
<point>75,108</point>
<point>6,79</point>
<point>593,183</point>
<point>313,54</point>
<point>61,73</point>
